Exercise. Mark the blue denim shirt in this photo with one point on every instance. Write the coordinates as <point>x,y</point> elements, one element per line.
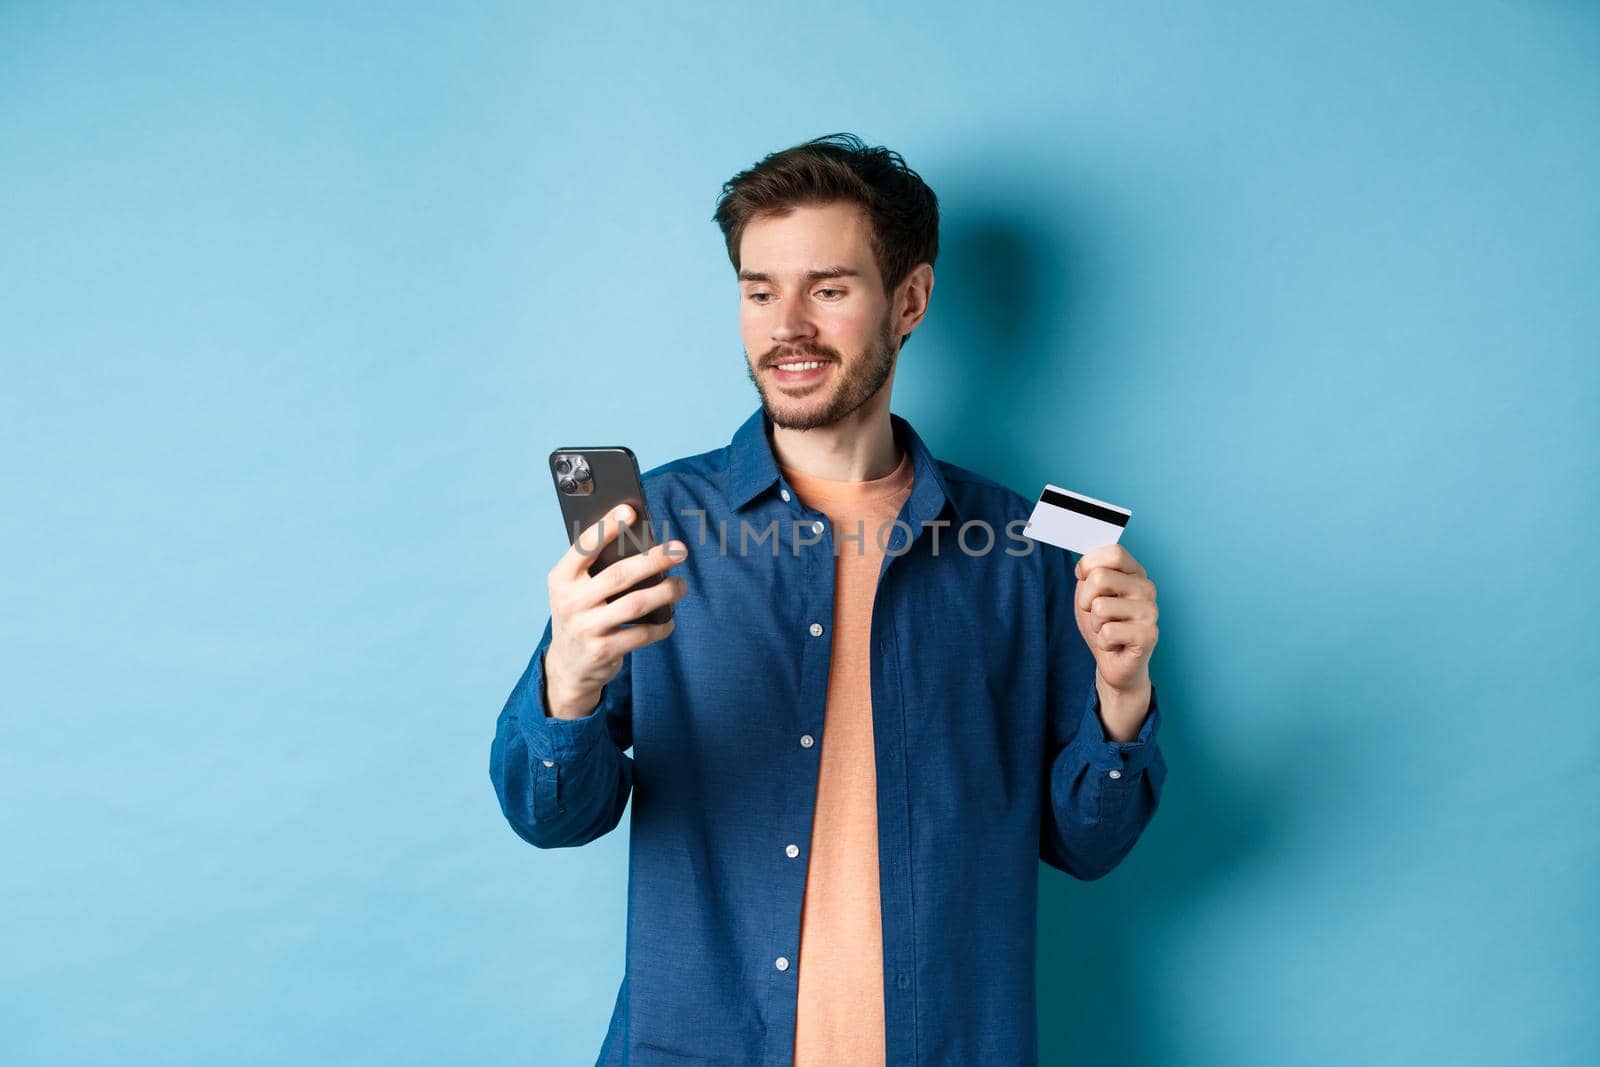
<point>990,757</point>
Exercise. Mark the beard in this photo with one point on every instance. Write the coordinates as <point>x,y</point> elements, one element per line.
<point>857,381</point>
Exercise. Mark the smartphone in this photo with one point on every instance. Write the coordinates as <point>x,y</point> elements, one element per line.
<point>591,483</point>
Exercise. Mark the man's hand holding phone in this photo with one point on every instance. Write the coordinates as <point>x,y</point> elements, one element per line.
<point>588,637</point>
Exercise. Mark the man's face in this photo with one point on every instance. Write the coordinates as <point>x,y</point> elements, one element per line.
<point>810,292</point>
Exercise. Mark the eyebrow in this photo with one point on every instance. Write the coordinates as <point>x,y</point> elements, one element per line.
<point>813,275</point>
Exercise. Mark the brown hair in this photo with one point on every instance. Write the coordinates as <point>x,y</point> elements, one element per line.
<point>903,211</point>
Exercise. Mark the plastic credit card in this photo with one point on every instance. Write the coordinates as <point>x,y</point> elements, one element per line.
<point>1075,522</point>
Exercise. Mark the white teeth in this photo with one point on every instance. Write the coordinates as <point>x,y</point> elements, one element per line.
<point>813,365</point>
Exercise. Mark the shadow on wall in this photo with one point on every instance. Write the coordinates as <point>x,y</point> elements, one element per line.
<point>1009,396</point>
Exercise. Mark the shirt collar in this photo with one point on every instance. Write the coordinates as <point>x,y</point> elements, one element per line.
<point>752,468</point>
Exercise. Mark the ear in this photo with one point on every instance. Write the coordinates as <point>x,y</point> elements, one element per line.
<point>911,303</point>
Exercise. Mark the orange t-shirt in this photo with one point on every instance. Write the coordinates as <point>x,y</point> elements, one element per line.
<point>839,1017</point>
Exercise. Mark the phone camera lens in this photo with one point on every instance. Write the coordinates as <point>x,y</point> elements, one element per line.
<point>563,466</point>
<point>566,483</point>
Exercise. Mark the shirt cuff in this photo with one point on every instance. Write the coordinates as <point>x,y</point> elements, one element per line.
<point>548,737</point>
<point>1128,758</point>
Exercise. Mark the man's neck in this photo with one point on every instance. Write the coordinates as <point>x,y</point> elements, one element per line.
<point>858,448</point>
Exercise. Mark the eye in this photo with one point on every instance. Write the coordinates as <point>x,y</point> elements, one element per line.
<point>759,297</point>
<point>821,291</point>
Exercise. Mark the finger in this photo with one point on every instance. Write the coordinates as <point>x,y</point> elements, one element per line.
<point>638,603</point>
<point>1103,582</point>
<point>1118,635</point>
<point>636,637</point>
<point>629,572</point>
<point>1114,557</point>
<point>1104,609</point>
<point>577,560</point>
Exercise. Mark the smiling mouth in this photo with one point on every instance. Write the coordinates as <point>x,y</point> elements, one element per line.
<point>800,373</point>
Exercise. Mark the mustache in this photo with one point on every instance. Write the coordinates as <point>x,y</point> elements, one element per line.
<point>774,357</point>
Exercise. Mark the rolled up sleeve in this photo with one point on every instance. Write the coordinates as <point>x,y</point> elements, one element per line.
<point>562,782</point>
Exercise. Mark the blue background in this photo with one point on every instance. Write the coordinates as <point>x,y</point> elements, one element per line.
<point>293,305</point>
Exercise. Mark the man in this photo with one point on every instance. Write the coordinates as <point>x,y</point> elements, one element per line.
<point>877,707</point>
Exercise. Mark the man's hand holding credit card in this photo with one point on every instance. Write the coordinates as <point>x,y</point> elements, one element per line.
<point>1115,601</point>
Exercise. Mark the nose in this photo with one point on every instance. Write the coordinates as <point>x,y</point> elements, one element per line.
<point>791,323</point>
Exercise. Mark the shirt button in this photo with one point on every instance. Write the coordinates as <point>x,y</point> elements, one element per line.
<point>549,763</point>
<point>792,851</point>
<point>816,629</point>
<point>816,527</point>
<point>806,741</point>
<point>1116,774</point>
<point>783,963</point>
<point>785,494</point>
